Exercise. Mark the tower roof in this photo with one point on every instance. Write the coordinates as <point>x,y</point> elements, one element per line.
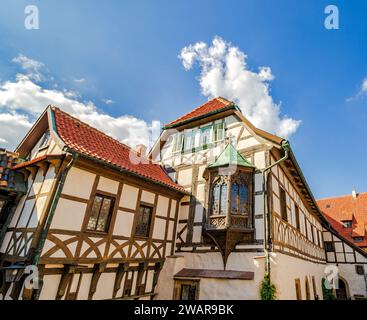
<point>230,156</point>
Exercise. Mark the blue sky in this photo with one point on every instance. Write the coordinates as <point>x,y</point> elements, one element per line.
<point>127,52</point>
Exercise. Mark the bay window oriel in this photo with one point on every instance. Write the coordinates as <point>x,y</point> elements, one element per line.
<point>230,197</point>
<point>230,218</point>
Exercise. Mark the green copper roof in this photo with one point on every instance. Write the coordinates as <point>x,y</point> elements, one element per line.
<point>230,156</point>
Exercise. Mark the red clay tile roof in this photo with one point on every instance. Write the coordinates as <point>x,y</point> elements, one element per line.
<point>209,107</point>
<point>36,160</point>
<point>88,141</point>
<point>347,207</point>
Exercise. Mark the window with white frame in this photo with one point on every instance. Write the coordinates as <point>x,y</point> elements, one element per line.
<point>178,142</point>
<point>218,132</point>
<point>205,136</point>
<point>201,138</point>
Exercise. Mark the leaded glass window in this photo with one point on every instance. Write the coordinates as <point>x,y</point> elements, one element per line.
<point>101,213</point>
<point>144,219</point>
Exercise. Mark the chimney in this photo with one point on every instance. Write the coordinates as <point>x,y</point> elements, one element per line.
<point>354,193</point>
<point>141,149</point>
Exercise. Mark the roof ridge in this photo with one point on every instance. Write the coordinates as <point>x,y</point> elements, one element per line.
<point>221,99</point>
<point>104,134</point>
<point>342,196</point>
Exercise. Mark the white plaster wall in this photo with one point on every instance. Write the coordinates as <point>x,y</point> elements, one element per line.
<point>123,224</point>
<point>37,212</point>
<point>162,206</point>
<point>84,286</point>
<point>78,183</point>
<point>285,269</point>
<point>27,211</point>
<point>129,196</point>
<point>104,288</point>
<point>356,283</point>
<point>49,180</point>
<point>36,186</point>
<point>165,285</point>
<point>108,185</point>
<point>69,215</point>
<point>50,285</point>
<point>147,196</point>
<point>220,289</point>
<point>159,228</point>
<point>185,177</point>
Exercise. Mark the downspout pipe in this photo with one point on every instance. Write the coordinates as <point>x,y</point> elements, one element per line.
<point>52,210</point>
<point>267,216</point>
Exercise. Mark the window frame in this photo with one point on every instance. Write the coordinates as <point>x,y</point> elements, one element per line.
<point>138,217</point>
<point>359,268</point>
<point>178,137</point>
<point>215,132</point>
<point>109,216</point>
<point>297,283</point>
<point>346,223</point>
<point>358,239</point>
<point>45,140</point>
<point>327,248</point>
<point>283,204</point>
<point>209,129</point>
<point>179,283</point>
<point>296,213</point>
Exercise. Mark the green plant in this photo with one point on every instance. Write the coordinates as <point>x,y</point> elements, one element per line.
<point>267,289</point>
<point>327,293</point>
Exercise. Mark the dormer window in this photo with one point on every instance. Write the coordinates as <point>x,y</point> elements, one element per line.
<point>347,223</point>
<point>192,140</point>
<point>358,239</point>
<point>45,140</point>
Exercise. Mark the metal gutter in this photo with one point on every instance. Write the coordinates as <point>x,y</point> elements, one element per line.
<point>267,220</point>
<point>52,209</point>
<point>128,172</point>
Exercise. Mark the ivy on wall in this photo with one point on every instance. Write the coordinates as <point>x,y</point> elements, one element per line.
<point>267,289</point>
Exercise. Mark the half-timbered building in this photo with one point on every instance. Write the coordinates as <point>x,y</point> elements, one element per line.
<point>249,212</point>
<point>219,205</point>
<point>97,218</point>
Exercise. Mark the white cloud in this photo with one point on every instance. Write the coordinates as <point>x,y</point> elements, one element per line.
<point>364,85</point>
<point>79,81</point>
<point>108,101</point>
<point>22,100</point>
<point>224,72</point>
<point>31,67</point>
<point>361,93</point>
<point>13,128</point>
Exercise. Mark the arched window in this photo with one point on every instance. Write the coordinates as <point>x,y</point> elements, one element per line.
<point>239,197</point>
<point>215,199</point>
<point>219,197</point>
<point>231,195</point>
<point>234,198</point>
<point>223,199</point>
<point>244,199</point>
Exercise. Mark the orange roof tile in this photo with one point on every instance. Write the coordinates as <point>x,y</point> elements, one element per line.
<point>91,142</point>
<point>214,105</point>
<point>36,160</point>
<point>347,207</point>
